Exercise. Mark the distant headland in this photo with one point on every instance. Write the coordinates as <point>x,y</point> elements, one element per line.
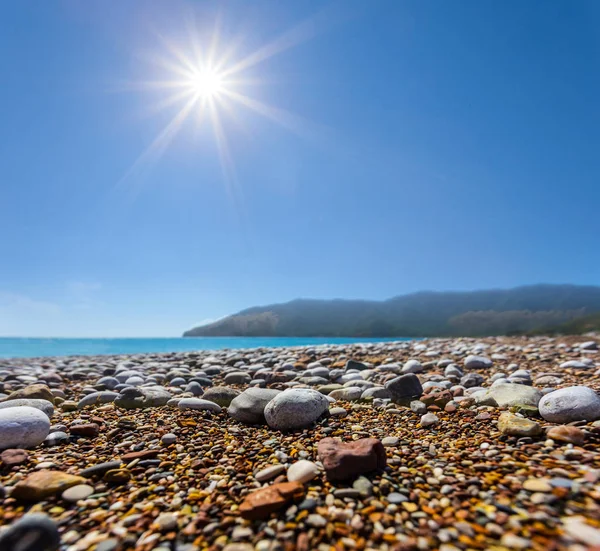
<point>528,309</point>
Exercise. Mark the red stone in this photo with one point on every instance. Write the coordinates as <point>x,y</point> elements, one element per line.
<point>13,457</point>
<point>439,399</point>
<point>144,454</point>
<point>566,433</point>
<point>87,429</point>
<point>345,460</point>
<point>263,502</point>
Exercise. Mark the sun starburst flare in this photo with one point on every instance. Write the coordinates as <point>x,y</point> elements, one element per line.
<point>208,81</point>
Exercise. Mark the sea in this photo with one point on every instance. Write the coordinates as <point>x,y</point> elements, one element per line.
<point>28,347</point>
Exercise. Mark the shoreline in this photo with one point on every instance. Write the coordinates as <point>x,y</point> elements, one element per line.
<point>449,444</point>
<point>95,346</point>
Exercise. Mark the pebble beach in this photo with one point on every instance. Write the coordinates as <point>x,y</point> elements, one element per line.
<point>444,444</point>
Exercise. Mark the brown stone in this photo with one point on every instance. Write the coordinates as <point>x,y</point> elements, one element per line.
<point>263,502</point>
<point>13,457</point>
<point>87,429</point>
<point>439,399</point>
<point>117,476</point>
<point>38,391</point>
<point>345,460</point>
<point>514,425</point>
<point>565,433</point>
<point>144,454</point>
<point>40,485</point>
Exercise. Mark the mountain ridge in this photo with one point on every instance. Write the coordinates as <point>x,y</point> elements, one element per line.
<point>419,314</point>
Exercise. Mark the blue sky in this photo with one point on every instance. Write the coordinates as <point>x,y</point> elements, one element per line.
<point>409,145</point>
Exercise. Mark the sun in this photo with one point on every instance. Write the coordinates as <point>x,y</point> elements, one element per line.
<point>205,80</point>
<point>206,84</point>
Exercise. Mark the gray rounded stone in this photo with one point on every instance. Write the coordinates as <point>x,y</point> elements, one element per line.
<point>222,395</point>
<point>75,493</point>
<point>348,393</point>
<point>295,409</point>
<point>477,362</point>
<point>200,404</point>
<point>22,427</point>
<point>429,419</point>
<point>269,473</point>
<point>237,378</point>
<point>195,388</point>
<point>168,439</point>
<point>376,392</point>
<point>575,364</point>
<point>418,407</point>
<point>57,438</point>
<point>97,398</point>
<point>574,403</point>
<point>412,366</point>
<point>108,382</point>
<point>37,403</point>
<point>249,406</point>
<point>32,532</point>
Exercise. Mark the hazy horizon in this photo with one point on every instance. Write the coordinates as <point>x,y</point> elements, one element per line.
<point>168,164</point>
<point>212,320</point>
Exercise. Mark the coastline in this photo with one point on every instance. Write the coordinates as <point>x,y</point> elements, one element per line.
<point>38,347</point>
<point>156,448</point>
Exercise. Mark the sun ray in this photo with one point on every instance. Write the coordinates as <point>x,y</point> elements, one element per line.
<point>302,32</point>
<point>226,161</point>
<point>158,146</point>
<point>207,80</point>
<point>286,119</point>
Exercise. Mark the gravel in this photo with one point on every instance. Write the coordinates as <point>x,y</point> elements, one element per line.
<point>150,476</point>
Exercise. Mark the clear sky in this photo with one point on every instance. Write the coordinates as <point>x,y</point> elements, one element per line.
<point>352,149</point>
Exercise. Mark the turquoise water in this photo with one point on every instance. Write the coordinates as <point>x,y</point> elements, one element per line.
<point>25,347</point>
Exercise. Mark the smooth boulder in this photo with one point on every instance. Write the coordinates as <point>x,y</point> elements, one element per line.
<point>221,395</point>
<point>249,406</point>
<point>574,403</point>
<point>37,403</point>
<point>510,394</point>
<point>22,427</point>
<point>295,409</point>
<point>477,362</point>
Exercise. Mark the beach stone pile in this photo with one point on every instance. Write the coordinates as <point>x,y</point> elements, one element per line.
<point>445,444</point>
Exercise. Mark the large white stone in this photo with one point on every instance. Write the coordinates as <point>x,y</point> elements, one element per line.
<point>37,403</point>
<point>296,408</point>
<point>574,403</point>
<point>23,427</point>
<point>302,471</point>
